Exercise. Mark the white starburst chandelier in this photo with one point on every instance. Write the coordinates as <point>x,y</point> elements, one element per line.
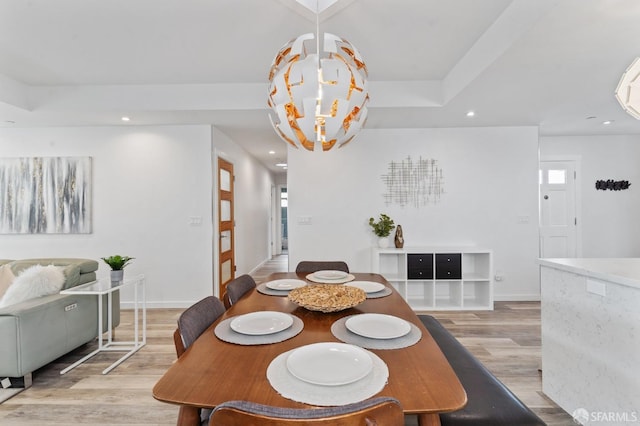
<point>318,99</point>
<point>628,90</point>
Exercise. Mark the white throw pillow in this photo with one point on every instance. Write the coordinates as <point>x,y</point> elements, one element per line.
<point>33,282</point>
<point>6,278</point>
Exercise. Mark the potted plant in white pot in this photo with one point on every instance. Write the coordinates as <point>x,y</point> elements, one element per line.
<point>117,264</point>
<point>382,228</point>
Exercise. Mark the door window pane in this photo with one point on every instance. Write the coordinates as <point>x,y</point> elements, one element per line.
<point>225,210</point>
<point>225,180</point>
<point>225,271</point>
<point>557,177</point>
<point>225,241</point>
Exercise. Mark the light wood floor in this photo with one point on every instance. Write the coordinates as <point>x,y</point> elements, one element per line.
<point>506,340</point>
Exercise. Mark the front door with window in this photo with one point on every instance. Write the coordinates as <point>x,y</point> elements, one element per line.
<point>226,262</point>
<point>558,220</point>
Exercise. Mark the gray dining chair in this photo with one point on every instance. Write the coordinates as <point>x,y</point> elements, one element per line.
<point>309,266</point>
<point>237,288</point>
<point>191,324</point>
<point>380,411</point>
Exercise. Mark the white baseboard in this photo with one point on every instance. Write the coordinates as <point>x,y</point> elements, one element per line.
<point>516,298</point>
<point>253,271</point>
<point>176,304</point>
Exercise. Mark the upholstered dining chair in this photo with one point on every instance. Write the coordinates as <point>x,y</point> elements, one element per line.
<point>237,288</point>
<point>309,266</point>
<point>380,411</point>
<point>191,324</point>
<point>195,320</point>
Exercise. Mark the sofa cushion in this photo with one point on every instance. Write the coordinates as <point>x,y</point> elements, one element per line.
<point>84,265</point>
<point>6,278</point>
<point>77,271</point>
<point>33,282</point>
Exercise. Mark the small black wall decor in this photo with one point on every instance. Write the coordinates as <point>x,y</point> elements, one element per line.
<point>612,185</point>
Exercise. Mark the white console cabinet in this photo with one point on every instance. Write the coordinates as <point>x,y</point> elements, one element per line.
<point>439,278</point>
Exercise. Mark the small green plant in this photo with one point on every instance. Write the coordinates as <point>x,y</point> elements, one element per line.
<point>383,227</point>
<point>117,262</point>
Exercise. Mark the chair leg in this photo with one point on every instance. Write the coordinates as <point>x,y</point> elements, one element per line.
<point>428,420</point>
<point>188,416</point>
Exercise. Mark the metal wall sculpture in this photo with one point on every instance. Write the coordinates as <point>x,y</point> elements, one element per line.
<point>45,195</point>
<point>413,183</point>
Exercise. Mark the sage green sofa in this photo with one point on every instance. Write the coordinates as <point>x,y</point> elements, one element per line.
<point>38,331</point>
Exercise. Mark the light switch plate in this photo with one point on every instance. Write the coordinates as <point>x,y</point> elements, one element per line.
<point>195,220</point>
<point>304,220</point>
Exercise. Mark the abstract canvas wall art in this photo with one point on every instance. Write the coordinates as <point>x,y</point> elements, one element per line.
<point>45,195</point>
<point>413,183</point>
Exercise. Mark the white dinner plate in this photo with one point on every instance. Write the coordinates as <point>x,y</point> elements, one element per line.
<point>285,284</point>
<point>260,323</point>
<point>330,275</point>
<point>329,363</point>
<point>378,326</point>
<point>367,286</point>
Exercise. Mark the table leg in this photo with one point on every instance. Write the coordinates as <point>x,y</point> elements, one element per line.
<point>144,311</point>
<point>188,416</point>
<point>80,361</point>
<point>107,343</point>
<point>429,419</point>
<point>99,322</point>
<point>109,318</point>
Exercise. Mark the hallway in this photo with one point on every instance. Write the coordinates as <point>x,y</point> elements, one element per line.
<point>275,264</point>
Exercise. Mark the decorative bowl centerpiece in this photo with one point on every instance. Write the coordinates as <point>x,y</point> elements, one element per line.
<point>327,297</point>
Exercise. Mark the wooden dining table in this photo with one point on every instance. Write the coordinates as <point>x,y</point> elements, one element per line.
<point>212,371</point>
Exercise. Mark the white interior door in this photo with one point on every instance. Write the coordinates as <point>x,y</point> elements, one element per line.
<point>558,219</point>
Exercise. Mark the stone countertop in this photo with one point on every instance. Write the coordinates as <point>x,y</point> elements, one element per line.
<point>623,271</point>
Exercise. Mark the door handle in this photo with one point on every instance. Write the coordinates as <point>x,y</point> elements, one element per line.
<point>546,197</point>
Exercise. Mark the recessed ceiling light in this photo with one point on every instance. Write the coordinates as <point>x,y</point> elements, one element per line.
<point>125,119</point>
<point>471,114</point>
<point>281,164</point>
<point>272,152</point>
<point>607,122</point>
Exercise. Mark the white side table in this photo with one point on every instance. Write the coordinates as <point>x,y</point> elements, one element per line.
<point>104,286</point>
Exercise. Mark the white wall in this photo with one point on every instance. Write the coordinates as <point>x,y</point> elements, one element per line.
<point>609,221</point>
<point>490,179</point>
<point>147,183</point>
